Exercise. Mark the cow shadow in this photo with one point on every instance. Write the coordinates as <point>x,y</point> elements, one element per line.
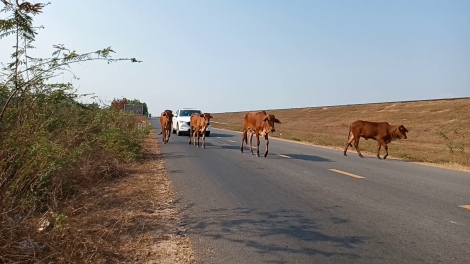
<point>221,135</point>
<point>231,147</point>
<point>308,157</point>
<point>208,144</point>
<point>266,232</point>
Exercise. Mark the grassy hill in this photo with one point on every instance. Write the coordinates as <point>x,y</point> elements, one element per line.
<point>439,130</point>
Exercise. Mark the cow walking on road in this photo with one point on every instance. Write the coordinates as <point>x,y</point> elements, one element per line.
<point>166,123</point>
<point>198,124</point>
<point>258,123</point>
<point>382,132</point>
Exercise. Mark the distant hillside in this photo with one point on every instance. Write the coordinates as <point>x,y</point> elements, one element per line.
<point>430,122</point>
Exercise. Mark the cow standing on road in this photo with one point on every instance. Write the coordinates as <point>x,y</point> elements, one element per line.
<point>382,132</point>
<point>166,118</point>
<point>258,123</point>
<point>198,124</point>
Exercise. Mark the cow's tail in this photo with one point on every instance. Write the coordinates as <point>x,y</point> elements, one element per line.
<point>349,135</point>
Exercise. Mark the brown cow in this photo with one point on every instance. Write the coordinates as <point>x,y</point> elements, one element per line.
<point>199,123</point>
<point>258,123</point>
<point>166,119</point>
<point>382,132</point>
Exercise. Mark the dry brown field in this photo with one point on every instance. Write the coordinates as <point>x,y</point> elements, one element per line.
<point>439,130</point>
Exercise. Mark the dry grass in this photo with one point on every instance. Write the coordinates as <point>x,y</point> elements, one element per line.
<point>130,218</point>
<point>137,215</point>
<point>329,126</point>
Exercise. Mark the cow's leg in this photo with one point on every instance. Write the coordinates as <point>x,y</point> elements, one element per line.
<point>244,136</point>
<point>379,146</point>
<point>257,144</point>
<point>198,138</point>
<point>190,134</point>
<point>203,139</point>
<point>251,143</point>
<point>350,140</point>
<point>382,143</point>
<point>194,137</point>
<point>386,151</point>
<point>267,145</point>
<point>356,145</point>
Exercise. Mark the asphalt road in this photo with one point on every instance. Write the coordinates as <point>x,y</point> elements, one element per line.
<point>291,207</point>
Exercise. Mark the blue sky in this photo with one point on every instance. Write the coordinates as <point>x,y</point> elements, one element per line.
<point>224,56</point>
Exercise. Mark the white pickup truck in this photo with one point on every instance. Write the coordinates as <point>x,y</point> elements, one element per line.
<point>181,121</point>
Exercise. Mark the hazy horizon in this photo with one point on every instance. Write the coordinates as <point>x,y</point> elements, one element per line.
<point>230,56</point>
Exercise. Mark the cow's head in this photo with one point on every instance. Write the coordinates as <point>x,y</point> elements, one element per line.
<point>268,123</point>
<point>401,132</point>
<point>167,115</point>
<point>206,119</point>
<point>170,115</point>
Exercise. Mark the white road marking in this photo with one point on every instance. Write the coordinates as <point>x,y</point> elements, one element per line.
<point>347,174</point>
<point>465,206</point>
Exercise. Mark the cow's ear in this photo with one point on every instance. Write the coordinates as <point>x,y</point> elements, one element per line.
<point>265,118</point>
<point>164,114</point>
<point>277,121</point>
<point>201,115</point>
<point>211,116</point>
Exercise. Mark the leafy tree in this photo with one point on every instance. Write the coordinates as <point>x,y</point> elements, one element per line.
<point>118,104</point>
<point>138,102</point>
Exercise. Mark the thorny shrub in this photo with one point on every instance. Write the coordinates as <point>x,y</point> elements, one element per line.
<point>454,143</point>
<point>51,146</point>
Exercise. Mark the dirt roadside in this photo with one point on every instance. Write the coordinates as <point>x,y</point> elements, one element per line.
<point>147,227</point>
